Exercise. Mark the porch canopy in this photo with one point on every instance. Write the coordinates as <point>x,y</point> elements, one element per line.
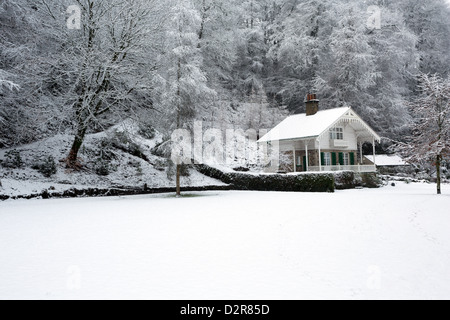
<point>303,133</point>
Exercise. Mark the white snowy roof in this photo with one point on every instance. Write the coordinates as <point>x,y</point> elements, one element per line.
<point>301,126</point>
<point>384,160</point>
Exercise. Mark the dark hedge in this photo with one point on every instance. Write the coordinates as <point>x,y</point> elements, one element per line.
<point>312,182</point>
<point>345,180</point>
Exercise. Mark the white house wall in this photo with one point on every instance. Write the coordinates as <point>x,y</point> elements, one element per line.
<point>288,146</point>
<point>349,136</point>
<point>325,143</point>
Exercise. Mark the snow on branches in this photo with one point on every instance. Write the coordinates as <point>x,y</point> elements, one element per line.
<point>430,132</point>
<point>431,129</point>
<point>7,84</point>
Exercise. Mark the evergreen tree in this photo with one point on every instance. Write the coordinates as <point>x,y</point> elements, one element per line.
<point>187,90</point>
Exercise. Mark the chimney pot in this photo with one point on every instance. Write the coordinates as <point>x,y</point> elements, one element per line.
<point>312,104</point>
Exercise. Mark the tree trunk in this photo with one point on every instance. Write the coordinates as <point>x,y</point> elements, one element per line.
<point>76,146</point>
<point>178,125</point>
<point>438,170</point>
<point>178,180</point>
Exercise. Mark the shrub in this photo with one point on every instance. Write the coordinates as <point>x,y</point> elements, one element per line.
<point>105,152</point>
<point>121,137</point>
<point>13,160</point>
<point>161,165</point>
<point>123,142</point>
<point>139,170</point>
<point>147,131</point>
<point>314,182</point>
<point>48,167</point>
<point>345,180</point>
<point>137,165</point>
<point>371,180</point>
<point>172,170</point>
<point>102,167</point>
<point>163,150</point>
<point>135,150</point>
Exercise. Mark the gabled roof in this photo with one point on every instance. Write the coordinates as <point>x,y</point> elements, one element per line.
<point>301,126</point>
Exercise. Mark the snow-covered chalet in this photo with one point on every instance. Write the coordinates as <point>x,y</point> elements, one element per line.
<point>329,140</point>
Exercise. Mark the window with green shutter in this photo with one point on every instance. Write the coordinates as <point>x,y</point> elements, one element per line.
<point>322,157</point>
<point>341,158</point>
<point>352,158</point>
<point>334,158</point>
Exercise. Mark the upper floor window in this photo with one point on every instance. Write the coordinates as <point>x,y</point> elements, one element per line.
<point>337,133</point>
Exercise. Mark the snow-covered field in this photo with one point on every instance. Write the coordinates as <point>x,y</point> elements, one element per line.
<point>391,243</point>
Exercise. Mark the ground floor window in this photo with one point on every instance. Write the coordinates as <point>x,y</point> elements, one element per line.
<point>346,159</point>
<point>327,159</point>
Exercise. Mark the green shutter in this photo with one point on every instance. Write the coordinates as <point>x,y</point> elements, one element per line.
<point>322,157</point>
<point>304,163</point>
<point>334,159</point>
<point>352,158</point>
<point>341,158</point>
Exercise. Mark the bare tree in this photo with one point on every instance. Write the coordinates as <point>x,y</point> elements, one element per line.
<point>106,64</point>
<point>8,85</point>
<point>430,139</point>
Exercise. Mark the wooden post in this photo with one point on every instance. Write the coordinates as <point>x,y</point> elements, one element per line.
<point>438,170</point>
<point>320,157</point>
<point>178,180</point>
<point>295,160</point>
<point>307,156</point>
<point>361,152</point>
<point>374,151</point>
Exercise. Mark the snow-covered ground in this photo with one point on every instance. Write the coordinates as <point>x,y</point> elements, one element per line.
<point>125,169</point>
<point>388,243</point>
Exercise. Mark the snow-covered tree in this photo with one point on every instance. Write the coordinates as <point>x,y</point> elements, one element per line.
<point>252,47</point>
<point>18,42</point>
<point>130,56</point>
<point>3,112</point>
<point>368,69</point>
<point>349,68</point>
<point>101,68</point>
<point>300,35</point>
<point>430,21</point>
<point>396,60</point>
<point>186,89</point>
<point>217,35</point>
<point>430,139</point>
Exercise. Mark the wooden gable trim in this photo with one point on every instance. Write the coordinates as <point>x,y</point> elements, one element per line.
<point>349,117</point>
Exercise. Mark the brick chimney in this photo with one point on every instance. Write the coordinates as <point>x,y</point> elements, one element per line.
<point>312,104</point>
